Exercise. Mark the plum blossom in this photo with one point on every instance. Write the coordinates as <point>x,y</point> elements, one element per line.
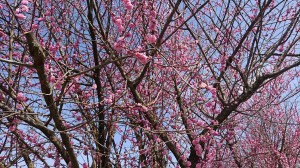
<point>2,34</point>
<point>85,165</point>
<point>20,16</point>
<point>188,164</point>
<point>203,85</point>
<point>109,99</point>
<point>20,97</point>
<point>12,128</point>
<point>141,57</point>
<point>128,4</point>
<point>67,125</point>
<point>119,23</point>
<point>252,17</point>
<point>50,155</point>
<point>2,96</point>
<point>41,19</point>
<point>178,147</point>
<point>94,86</point>
<point>198,149</point>
<point>143,108</point>
<point>151,38</point>
<point>212,90</point>
<point>24,8</point>
<point>19,106</point>
<point>119,44</point>
<point>24,2</point>
<point>52,79</point>
<point>209,104</point>
<point>214,133</point>
<point>281,48</point>
<point>78,118</point>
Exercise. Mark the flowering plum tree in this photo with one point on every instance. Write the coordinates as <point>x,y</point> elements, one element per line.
<point>149,83</point>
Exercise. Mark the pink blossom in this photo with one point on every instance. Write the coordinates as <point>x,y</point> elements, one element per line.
<point>108,100</point>
<point>182,157</point>
<point>78,118</point>
<point>210,87</point>
<point>217,30</point>
<point>141,57</point>
<point>2,34</point>
<point>12,128</point>
<point>195,141</point>
<point>2,96</point>
<point>127,17</point>
<point>190,122</point>
<point>48,13</point>
<point>41,19</point>
<point>24,2</point>
<point>50,155</point>
<point>119,23</point>
<point>120,29</point>
<point>208,104</point>
<point>252,17</point>
<point>151,38</point>
<point>152,26</point>
<point>94,86</point>
<point>53,48</point>
<point>210,156</point>
<point>20,97</point>
<point>144,108</point>
<point>129,34</point>
<point>128,4</point>
<point>188,164</point>
<point>281,48</point>
<point>200,123</point>
<point>84,165</point>
<point>131,25</point>
<point>19,106</point>
<point>58,85</point>
<point>203,85</point>
<point>178,147</point>
<point>24,8</point>
<point>214,133</point>
<point>198,149</point>
<point>212,90</point>
<point>203,139</point>
<point>20,16</point>
<point>119,44</point>
<point>87,95</point>
<point>67,125</point>
<point>52,79</point>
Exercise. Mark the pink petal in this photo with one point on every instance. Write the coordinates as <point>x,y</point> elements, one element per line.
<point>20,16</point>
<point>203,85</point>
<point>151,38</point>
<point>20,97</point>
<point>141,57</point>
<point>24,2</point>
